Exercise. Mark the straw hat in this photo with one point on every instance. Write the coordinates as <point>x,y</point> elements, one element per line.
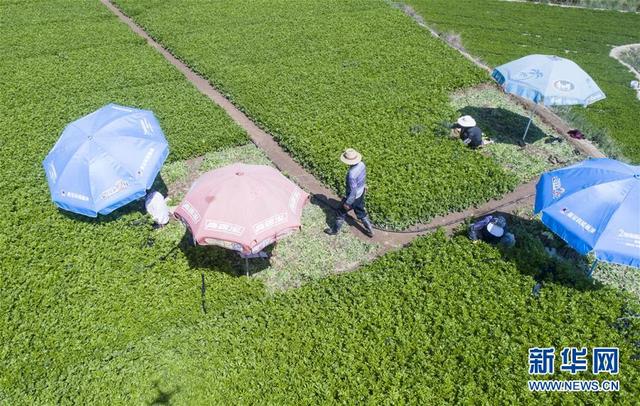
<point>495,230</point>
<point>351,157</point>
<point>467,121</point>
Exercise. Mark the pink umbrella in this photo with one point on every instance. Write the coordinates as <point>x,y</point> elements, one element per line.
<point>242,207</point>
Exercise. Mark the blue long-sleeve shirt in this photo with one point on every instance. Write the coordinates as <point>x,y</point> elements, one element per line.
<point>356,181</point>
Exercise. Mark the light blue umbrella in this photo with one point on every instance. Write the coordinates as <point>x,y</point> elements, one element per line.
<point>105,160</point>
<point>548,80</point>
<point>595,207</point>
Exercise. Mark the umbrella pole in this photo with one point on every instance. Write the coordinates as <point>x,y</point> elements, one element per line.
<point>530,119</point>
<point>246,266</point>
<point>593,268</point>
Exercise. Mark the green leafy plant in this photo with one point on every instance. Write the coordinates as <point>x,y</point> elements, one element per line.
<point>499,31</point>
<point>324,76</point>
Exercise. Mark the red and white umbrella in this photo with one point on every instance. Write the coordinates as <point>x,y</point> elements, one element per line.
<point>242,207</point>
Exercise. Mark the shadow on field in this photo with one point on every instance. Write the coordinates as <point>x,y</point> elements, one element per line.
<point>162,397</point>
<point>131,207</point>
<point>329,206</point>
<point>504,126</point>
<point>539,253</point>
<point>220,259</point>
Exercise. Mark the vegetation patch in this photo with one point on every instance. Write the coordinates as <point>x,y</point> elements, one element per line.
<point>632,57</point>
<point>303,256</point>
<point>324,76</point>
<point>503,121</point>
<point>501,31</point>
<point>73,288</point>
<point>441,321</point>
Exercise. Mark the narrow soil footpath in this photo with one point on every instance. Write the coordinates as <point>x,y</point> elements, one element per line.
<point>618,51</point>
<point>522,197</point>
<point>547,116</point>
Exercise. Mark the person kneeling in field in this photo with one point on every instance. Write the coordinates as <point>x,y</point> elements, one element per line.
<point>356,188</point>
<point>469,133</point>
<point>492,229</point>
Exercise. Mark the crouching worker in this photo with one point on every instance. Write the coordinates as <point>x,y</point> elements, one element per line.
<point>469,133</point>
<point>492,229</point>
<point>356,184</point>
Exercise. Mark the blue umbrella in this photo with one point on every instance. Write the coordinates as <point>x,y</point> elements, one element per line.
<point>595,207</point>
<point>548,80</point>
<point>105,160</point>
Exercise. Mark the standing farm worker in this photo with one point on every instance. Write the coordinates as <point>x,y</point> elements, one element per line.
<point>470,134</point>
<point>356,183</point>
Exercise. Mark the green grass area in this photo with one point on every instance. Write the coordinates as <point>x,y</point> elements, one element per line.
<point>441,321</point>
<point>324,76</point>
<point>499,31</point>
<point>504,122</point>
<point>107,311</point>
<point>75,289</point>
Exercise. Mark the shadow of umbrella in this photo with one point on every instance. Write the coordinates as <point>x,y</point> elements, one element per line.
<point>504,126</point>
<point>134,206</point>
<point>162,397</point>
<point>531,254</point>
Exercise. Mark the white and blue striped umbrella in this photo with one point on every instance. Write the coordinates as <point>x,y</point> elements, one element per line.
<point>548,80</point>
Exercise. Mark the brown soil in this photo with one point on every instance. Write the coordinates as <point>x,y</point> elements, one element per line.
<point>547,116</point>
<point>522,197</point>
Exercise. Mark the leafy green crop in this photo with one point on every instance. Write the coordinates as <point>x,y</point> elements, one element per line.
<point>443,321</point>
<point>72,288</point>
<point>86,319</point>
<point>324,76</point>
<point>504,121</point>
<point>499,31</point>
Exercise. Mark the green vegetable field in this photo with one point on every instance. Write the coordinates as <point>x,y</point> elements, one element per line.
<point>75,289</point>
<point>499,31</point>
<point>111,311</point>
<point>324,76</point>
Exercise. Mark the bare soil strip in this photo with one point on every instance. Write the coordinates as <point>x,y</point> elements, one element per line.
<point>521,197</point>
<point>618,51</point>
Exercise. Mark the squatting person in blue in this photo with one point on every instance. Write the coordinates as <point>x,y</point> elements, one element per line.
<point>356,188</point>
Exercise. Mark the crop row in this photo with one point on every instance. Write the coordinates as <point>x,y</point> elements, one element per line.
<point>72,288</point>
<point>324,76</point>
<point>498,32</point>
<point>443,321</point>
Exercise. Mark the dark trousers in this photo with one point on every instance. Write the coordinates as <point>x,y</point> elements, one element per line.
<point>357,206</point>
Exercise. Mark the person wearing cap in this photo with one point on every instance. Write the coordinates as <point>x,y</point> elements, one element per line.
<point>492,229</point>
<point>470,134</point>
<point>356,181</point>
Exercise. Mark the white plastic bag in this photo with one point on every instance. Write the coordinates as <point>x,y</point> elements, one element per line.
<point>157,207</point>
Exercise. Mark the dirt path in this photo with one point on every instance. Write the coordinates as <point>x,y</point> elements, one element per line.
<point>615,54</point>
<point>522,197</point>
<point>546,115</point>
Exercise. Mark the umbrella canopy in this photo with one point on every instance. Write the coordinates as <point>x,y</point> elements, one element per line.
<point>105,160</point>
<point>595,207</point>
<point>242,207</point>
<point>548,80</point>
